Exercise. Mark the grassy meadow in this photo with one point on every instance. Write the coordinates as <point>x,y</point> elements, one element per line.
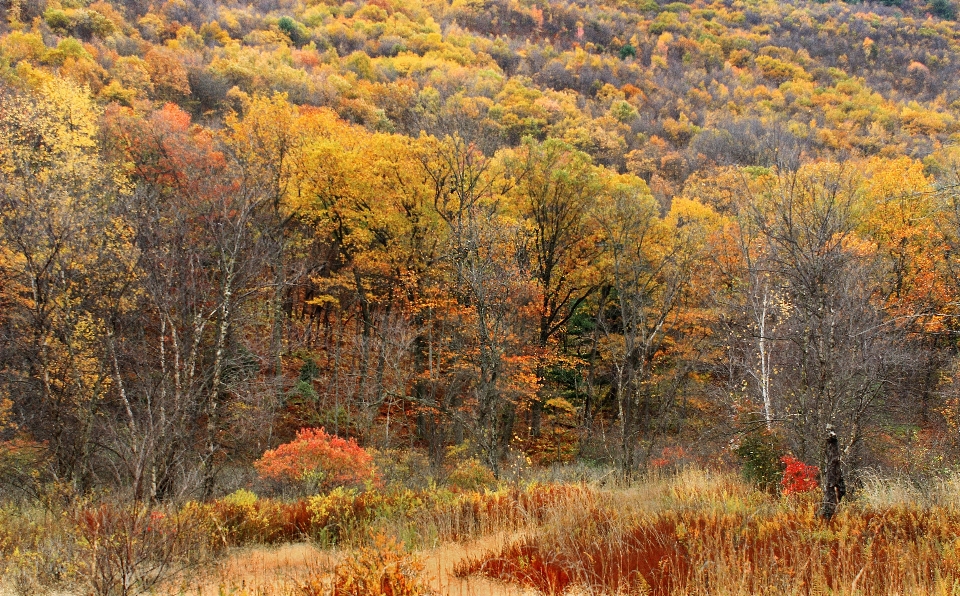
<point>694,531</point>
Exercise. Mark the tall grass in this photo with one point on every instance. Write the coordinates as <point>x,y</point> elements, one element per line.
<point>105,548</point>
<point>711,534</point>
<point>127,548</point>
<point>698,532</point>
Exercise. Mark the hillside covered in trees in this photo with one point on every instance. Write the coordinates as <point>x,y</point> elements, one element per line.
<point>512,232</point>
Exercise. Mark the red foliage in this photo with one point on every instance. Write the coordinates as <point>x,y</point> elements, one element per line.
<point>669,456</point>
<point>648,555</point>
<point>680,551</point>
<point>316,456</point>
<point>170,153</point>
<point>798,477</point>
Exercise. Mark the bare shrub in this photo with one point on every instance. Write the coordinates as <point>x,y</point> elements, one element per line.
<point>129,548</point>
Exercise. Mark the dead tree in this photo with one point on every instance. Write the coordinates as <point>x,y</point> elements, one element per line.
<point>834,488</point>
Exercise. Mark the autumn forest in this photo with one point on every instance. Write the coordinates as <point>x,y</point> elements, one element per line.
<point>513,251</point>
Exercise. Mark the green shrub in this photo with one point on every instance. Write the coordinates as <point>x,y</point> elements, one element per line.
<point>57,19</point>
<point>760,454</point>
<point>471,475</point>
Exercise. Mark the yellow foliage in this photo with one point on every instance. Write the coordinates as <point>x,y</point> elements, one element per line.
<point>779,70</point>
<point>6,422</point>
<point>17,46</point>
<point>921,121</point>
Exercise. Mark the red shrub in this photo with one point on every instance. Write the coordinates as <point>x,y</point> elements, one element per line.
<point>317,458</point>
<point>798,477</point>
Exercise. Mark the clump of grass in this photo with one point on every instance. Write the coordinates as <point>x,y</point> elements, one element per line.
<point>879,491</point>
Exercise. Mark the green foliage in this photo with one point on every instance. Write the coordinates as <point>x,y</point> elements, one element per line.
<point>645,5</point>
<point>297,33</point>
<point>69,47</point>
<point>57,19</point>
<point>665,21</point>
<point>623,111</point>
<point>309,370</point>
<point>760,453</point>
<point>304,392</point>
<point>945,9</point>
<point>469,474</point>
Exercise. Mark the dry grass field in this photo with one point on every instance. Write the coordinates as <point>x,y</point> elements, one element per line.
<point>697,532</point>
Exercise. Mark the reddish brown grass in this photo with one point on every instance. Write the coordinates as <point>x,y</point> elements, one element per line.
<point>735,546</point>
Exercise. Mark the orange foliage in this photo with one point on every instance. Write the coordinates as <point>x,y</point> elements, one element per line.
<point>381,570</point>
<point>320,458</point>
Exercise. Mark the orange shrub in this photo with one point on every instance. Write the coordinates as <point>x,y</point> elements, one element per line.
<point>383,570</point>
<point>319,459</point>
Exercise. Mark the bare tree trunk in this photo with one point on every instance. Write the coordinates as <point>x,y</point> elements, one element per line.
<point>834,488</point>
<point>216,382</point>
<point>765,359</point>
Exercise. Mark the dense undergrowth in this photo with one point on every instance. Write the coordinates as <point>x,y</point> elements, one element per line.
<point>695,532</point>
<point>115,547</point>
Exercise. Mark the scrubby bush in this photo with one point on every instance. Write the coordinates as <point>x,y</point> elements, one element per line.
<point>242,518</point>
<point>470,474</point>
<point>760,454</point>
<point>384,569</point>
<point>39,552</point>
<point>130,548</point>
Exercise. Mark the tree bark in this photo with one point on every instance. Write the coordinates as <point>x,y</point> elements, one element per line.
<point>834,488</point>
